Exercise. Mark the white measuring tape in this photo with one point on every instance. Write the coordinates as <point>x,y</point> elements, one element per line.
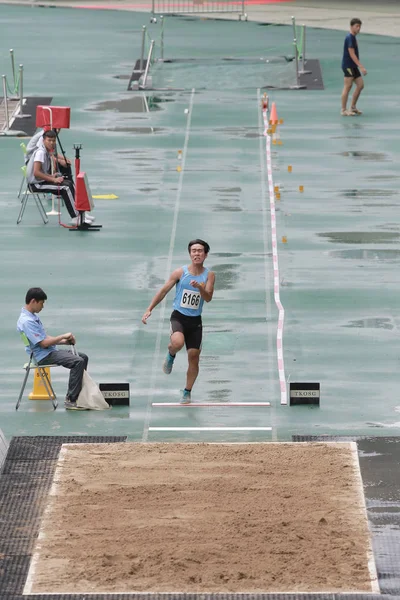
<point>281,315</point>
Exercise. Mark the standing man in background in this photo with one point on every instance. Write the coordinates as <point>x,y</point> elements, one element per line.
<point>351,67</point>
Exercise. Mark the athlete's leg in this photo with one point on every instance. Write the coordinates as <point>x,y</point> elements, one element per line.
<point>359,88</point>
<point>348,82</point>
<point>193,367</point>
<point>176,343</point>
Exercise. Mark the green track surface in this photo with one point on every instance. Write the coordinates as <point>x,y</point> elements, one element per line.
<point>339,269</point>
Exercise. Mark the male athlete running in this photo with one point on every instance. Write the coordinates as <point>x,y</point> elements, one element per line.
<point>194,285</point>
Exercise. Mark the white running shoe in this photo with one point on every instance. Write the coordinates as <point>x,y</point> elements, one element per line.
<point>77,221</point>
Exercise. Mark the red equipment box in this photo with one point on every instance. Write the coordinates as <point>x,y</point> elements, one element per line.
<point>83,195</point>
<point>53,117</point>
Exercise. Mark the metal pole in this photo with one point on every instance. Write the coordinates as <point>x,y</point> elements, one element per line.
<point>5,101</point>
<point>21,90</point>
<point>294,28</point>
<point>12,65</point>
<point>148,64</point>
<point>297,61</point>
<point>162,37</point>
<point>142,52</point>
<point>303,56</point>
<point>242,7</point>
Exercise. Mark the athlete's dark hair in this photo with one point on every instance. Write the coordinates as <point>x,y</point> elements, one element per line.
<point>35,294</point>
<point>50,134</point>
<point>355,22</point>
<point>202,242</point>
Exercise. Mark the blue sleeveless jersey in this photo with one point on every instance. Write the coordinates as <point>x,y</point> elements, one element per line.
<point>187,298</point>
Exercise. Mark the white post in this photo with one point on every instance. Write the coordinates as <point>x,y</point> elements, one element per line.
<point>303,54</point>
<point>162,37</point>
<point>296,54</point>
<point>21,90</point>
<point>294,28</point>
<point>142,52</point>
<point>12,65</point>
<point>148,65</point>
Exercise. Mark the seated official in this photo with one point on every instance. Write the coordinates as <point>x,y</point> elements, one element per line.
<point>62,165</point>
<point>44,348</point>
<point>41,178</point>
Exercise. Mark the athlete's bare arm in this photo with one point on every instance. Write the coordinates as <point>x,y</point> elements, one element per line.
<point>159,297</point>
<point>206,291</point>
<point>353,56</point>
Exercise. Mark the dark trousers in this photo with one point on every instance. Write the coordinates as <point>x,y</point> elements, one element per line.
<point>77,364</point>
<point>65,189</point>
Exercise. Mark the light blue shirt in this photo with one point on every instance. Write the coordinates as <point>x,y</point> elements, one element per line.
<point>187,298</point>
<point>32,327</point>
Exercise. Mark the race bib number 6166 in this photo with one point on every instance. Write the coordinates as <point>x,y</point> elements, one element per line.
<point>190,299</point>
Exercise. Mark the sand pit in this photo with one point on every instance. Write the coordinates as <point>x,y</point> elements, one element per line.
<point>204,518</point>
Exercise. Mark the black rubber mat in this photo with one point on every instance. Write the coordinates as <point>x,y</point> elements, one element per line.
<point>28,124</point>
<point>312,80</point>
<point>379,459</point>
<point>47,447</point>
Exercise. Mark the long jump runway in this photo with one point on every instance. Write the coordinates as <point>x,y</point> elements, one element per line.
<point>41,489</point>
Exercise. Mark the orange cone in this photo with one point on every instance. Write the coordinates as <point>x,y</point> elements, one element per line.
<point>273,118</point>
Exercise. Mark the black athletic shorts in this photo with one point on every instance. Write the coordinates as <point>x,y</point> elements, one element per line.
<point>353,72</point>
<point>191,327</point>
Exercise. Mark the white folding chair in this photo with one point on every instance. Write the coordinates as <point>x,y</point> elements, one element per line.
<point>36,196</point>
<point>32,364</point>
<point>23,147</point>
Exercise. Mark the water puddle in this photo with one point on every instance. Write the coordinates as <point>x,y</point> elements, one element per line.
<point>133,104</point>
<point>360,237</point>
<point>368,255</point>
<point>368,193</point>
<point>372,323</point>
<point>139,130</point>
<point>366,155</point>
<point>226,276</point>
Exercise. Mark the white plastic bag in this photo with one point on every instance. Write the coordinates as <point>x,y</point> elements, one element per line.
<point>90,396</point>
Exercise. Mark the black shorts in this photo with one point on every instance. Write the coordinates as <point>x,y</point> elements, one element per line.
<point>353,72</point>
<point>191,327</point>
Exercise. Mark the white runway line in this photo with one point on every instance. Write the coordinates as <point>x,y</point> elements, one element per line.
<point>370,554</point>
<point>210,428</point>
<point>156,356</point>
<point>281,317</point>
<point>46,516</point>
<point>267,266</point>
<point>214,404</point>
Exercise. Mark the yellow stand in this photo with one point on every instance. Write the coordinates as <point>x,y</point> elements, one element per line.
<point>39,391</point>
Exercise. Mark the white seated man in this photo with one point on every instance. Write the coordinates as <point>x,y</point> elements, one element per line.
<point>41,178</point>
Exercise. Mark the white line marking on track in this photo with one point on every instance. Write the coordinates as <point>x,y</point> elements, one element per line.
<point>45,517</point>
<point>210,428</point>
<point>281,317</point>
<point>156,355</point>
<point>267,265</point>
<point>214,404</point>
